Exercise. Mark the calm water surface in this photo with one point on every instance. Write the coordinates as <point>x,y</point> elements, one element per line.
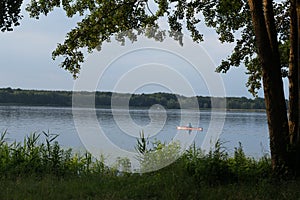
<point>249,128</point>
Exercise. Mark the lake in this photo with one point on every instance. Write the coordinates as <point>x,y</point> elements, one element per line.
<point>121,127</point>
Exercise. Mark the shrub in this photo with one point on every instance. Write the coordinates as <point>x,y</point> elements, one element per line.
<point>217,167</point>
<point>35,158</point>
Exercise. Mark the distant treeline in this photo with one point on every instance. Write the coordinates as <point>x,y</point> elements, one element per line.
<point>9,96</point>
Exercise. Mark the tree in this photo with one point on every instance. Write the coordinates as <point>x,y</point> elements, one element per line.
<point>267,49</point>
<point>294,80</point>
<point>267,44</point>
<point>10,14</point>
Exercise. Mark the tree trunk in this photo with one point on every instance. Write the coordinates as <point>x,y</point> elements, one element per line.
<point>293,75</point>
<point>298,66</point>
<point>264,29</point>
<point>294,91</point>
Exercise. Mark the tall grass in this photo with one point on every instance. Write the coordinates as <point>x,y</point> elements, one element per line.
<point>40,168</point>
<point>218,168</point>
<point>158,156</point>
<point>43,158</point>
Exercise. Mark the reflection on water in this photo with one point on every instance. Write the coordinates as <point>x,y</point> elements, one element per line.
<point>249,128</point>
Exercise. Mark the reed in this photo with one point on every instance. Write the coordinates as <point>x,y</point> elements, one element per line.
<point>40,168</point>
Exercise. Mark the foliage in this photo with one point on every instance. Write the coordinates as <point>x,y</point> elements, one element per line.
<point>218,168</point>
<point>211,168</point>
<point>104,20</point>
<point>40,159</point>
<point>127,19</point>
<point>57,174</point>
<point>10,14</point>
<point>10,96</point>
<point>157,157</point>
<point>142,143</point>
<point>261,38</point>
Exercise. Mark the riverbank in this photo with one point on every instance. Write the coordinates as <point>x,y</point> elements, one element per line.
<point>38,169</point>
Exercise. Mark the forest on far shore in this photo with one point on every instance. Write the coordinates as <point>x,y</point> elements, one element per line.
<point>9,96</point>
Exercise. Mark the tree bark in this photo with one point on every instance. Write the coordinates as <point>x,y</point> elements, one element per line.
<point>298,65</point>
<point>264,29</point>
<point>293,74</point>
<point>294,91</point>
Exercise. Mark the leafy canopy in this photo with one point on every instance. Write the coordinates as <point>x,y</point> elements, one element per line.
<point>10,14</point>
<point>123,19</point>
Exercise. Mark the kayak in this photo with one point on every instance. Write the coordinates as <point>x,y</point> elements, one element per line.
<point>189,128</point>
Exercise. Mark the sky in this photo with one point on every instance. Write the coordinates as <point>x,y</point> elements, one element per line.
<point>26,62</point>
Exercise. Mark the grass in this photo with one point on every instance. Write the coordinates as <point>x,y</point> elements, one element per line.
<point>154,186</point>
<point>43,170</point>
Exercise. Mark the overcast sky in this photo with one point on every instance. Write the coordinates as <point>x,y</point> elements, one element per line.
<point>26,61</point>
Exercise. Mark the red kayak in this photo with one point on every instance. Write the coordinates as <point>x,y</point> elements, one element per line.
<point>189,128</point>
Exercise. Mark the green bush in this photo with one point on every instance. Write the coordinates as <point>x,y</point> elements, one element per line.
<point>158,156</point>
<point>218,168</point>
<point>209,169</point>
<point>34,169</point>
<point>34,157</point>
<point>248,169</point>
